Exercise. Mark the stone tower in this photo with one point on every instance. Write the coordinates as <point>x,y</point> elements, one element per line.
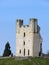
<point>28,39</point>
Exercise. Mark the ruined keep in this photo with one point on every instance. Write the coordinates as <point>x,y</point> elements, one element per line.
<point>28,39</point>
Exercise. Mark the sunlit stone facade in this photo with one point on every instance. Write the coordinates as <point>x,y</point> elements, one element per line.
<point>28,39</point>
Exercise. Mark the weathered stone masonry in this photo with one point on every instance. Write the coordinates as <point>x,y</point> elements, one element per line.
<point>28,38</point>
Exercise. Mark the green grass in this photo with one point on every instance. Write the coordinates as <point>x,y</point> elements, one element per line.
<point>32,61</point>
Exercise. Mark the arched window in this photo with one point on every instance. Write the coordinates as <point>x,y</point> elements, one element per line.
<point>24,43</point>
<point>20,51</point>
<point>28,52</point>
<point>24,52</point>
<point>24,34</point>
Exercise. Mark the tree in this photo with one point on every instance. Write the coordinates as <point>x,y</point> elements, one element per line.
<point>7,50</point>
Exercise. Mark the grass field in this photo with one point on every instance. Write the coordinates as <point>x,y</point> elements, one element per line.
<point>31,61</point>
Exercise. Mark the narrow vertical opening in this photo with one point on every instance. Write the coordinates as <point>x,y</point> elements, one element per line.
<point>34,26</point>
<point>20,51</point>
<point>24,34</point>
<point>24,52</point>
<point>28,52</point>
<point>24,43</point>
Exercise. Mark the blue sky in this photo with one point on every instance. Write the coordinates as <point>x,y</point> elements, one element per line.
<point>10,10</point>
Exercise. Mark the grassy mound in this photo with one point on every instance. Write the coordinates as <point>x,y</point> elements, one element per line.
<point>32,61</point>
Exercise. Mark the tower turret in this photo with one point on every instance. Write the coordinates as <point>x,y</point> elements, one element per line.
<point>19,23</point>
<point>33,24</point>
